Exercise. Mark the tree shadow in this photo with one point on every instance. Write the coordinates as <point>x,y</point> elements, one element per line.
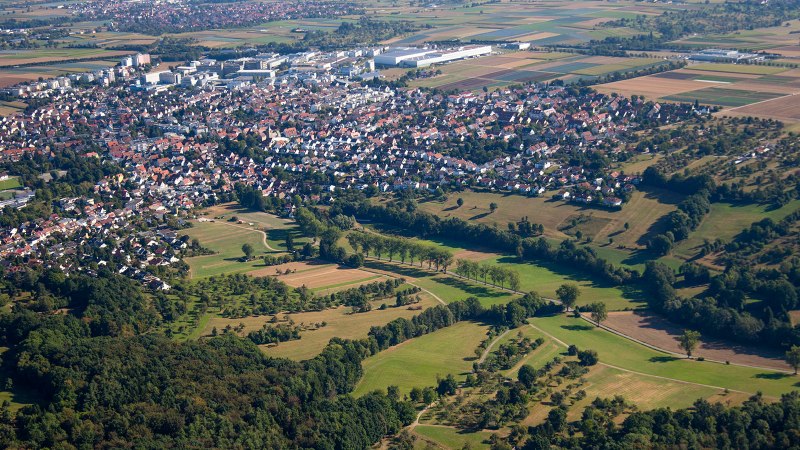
<point>663,359</point>
<point>773,376</point>
<point>403,270</point>
<point>577,327</point>
<point>479,216</point>
<point>477,291</point>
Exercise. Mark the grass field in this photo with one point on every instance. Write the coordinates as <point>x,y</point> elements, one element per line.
<point>11,183</point>
<point>725,221</point>
<point>641,213</point>
<point>340,323</point>
<point>545,281</point>
<point>627,355</point>
<point>448,437</point>
<point>419,361</point>
<point>226,240</point>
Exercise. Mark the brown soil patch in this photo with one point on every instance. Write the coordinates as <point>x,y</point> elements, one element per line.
<point>780,108</point>
<point>314,275</point>
<point>654,330</point>
<point>297,266</point>
<point>472,255</point>
<point>653,87</point>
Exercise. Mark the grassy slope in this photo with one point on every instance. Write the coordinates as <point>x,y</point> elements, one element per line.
<point>625,354</point>
<point>419,361</point>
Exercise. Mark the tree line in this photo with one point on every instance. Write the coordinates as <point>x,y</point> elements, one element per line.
<point>404,249</point>
<point>532,249</point>
<point>497,274</point>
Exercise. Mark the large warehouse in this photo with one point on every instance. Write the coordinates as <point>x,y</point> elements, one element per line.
<point>423,57</point>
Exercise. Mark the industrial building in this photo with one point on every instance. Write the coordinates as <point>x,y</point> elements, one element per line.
<point>423,57</point>
<point>724,56</point>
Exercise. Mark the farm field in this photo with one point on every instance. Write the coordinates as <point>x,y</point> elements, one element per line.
<point>783,108</point>
<point>524,66</point>
<point>657,331</point>
<point>14,58</point>
<point>419,361</point>
<point>723,97</point>
<point>627,355</point>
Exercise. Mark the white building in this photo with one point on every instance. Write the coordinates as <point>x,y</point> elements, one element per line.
<point>416,57</point>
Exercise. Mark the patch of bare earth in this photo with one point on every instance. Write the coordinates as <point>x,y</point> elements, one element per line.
<point>654,330</point>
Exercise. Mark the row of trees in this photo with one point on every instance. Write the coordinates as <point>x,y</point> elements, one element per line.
<point>485,271</point>
<point>404,249</point>
<point>427,225</point>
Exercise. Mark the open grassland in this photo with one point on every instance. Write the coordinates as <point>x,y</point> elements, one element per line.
<point>545,281</point>
<point>626,355</point>
<point>726,220</point>
<point>449,438</point>
<point>655,330</point>
<point>340,322</point>
<point>641,213</point>
<point>226,240</point>
<point>419,361</point>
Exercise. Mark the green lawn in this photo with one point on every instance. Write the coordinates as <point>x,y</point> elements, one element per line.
<point>626,354</point>
<point>11,183</point>
<point>450,437</point>
<point>738,68</point>
<point>546,279</point>
<point>227,241</point>
<point>417,362</point>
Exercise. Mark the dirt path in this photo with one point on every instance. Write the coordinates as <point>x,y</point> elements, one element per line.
<point>263,234</point>
<point>489,347</point>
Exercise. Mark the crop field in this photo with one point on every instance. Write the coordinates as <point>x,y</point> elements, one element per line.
<point>315,275</point>
<point>657,331</point>
<point>739,68</point>
<point>723,97</point>
<point>627,355</point>
<point>784,108</point>
<point>17,57</point>
<point>417,362</point>
<point>526,66</point>
<point>652,87</point>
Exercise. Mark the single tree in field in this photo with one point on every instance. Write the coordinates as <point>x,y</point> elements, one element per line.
<point>568,294</point>
<point>599,312</point>
<point>688,341</point>
<point>248,250</point>
<point>493,207</point>
<point>627,226</point>
<point>460,202</point>
<point>793,358</point>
